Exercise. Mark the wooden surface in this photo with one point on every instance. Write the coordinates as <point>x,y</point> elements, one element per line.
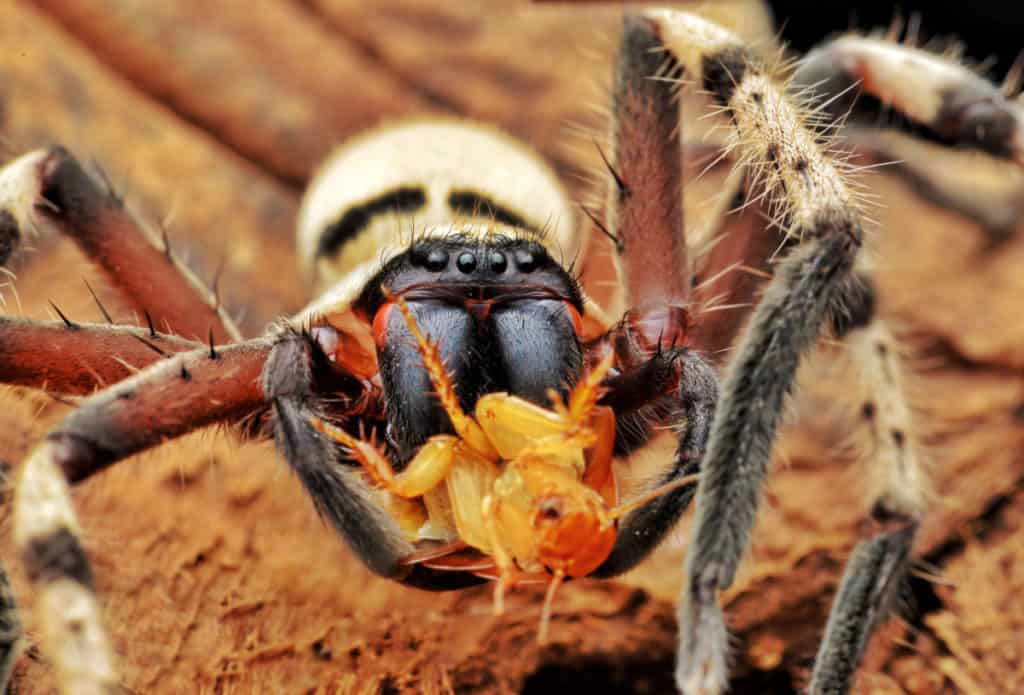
<point>215,572</point>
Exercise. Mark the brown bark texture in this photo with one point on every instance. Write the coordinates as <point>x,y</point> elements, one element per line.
<point>216,574</point>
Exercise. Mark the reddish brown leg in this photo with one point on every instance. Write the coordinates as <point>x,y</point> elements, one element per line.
<point>168,399</point>
<point>645,203</point>
<point>50,186</point>
<point>178,394</point>
<point>63,357</point>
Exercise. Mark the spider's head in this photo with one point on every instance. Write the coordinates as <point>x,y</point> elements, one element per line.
<point>504,313</point>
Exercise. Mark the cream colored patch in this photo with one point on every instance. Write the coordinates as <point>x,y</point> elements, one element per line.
<point>71,632</point>
<point>42,503</point>
<point>20,189</point>
<point>439,156</point>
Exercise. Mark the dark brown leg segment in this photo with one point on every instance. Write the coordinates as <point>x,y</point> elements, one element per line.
<point>52,187</point>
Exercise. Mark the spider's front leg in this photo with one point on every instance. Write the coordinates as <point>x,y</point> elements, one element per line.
<point>285,371</point>
<point>165,400</point>
<point>661,381</point>
<point>812,288</point>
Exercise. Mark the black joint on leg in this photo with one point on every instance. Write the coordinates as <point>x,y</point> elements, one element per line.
<point>642,57</point>
<point>10,235</point>
<point>57,556</point>
<point>723,71</point>
<point>856,306</point>
<point>885,515</point>
<point>76,456</point>
<point>69,191</point>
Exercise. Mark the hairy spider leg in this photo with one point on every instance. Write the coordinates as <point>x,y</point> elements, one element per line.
<point>663,392</point>
<point>942,126</point>
<point>813,287</point>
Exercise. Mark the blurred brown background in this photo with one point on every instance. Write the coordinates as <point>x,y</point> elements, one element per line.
<point>217,575</point>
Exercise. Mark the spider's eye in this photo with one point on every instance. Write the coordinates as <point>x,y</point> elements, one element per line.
<point>436,261</point>
<point>466,262</point>
<point>526,261</point>
<point>498,262</point>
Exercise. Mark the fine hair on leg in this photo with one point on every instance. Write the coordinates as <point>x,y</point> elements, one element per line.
<point>808,199</point>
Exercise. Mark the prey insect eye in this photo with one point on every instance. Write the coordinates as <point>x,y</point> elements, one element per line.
<point>550,509</point>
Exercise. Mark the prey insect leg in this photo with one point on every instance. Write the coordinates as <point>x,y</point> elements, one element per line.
<point>51,187</point>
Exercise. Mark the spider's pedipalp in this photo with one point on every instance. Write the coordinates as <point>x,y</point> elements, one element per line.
<point>339,493</point>
<point>696,392</point>
<point>51,186</point>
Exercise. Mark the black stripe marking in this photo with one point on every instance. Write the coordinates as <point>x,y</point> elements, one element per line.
<point>56,556</point>
<point>357,218</point>
<point>479,205</point>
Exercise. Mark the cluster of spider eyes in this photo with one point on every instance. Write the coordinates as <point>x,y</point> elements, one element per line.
<point>436,260</point>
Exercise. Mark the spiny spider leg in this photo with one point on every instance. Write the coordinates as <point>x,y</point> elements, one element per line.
<point>810,201</point>
<point>939,97</point>
<point>899,485</point>
<point>63,357</point>
<point>51,186</point>
<point>661,382</point>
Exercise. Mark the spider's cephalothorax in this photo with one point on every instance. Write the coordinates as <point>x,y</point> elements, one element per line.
<point>455,406</point>
<point>509,314</point>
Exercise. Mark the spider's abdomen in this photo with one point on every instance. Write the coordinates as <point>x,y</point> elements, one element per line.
<point>380,189</point>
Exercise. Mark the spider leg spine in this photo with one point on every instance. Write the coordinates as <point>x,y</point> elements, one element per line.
<point>77,361</point>
<point>51,185</point>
